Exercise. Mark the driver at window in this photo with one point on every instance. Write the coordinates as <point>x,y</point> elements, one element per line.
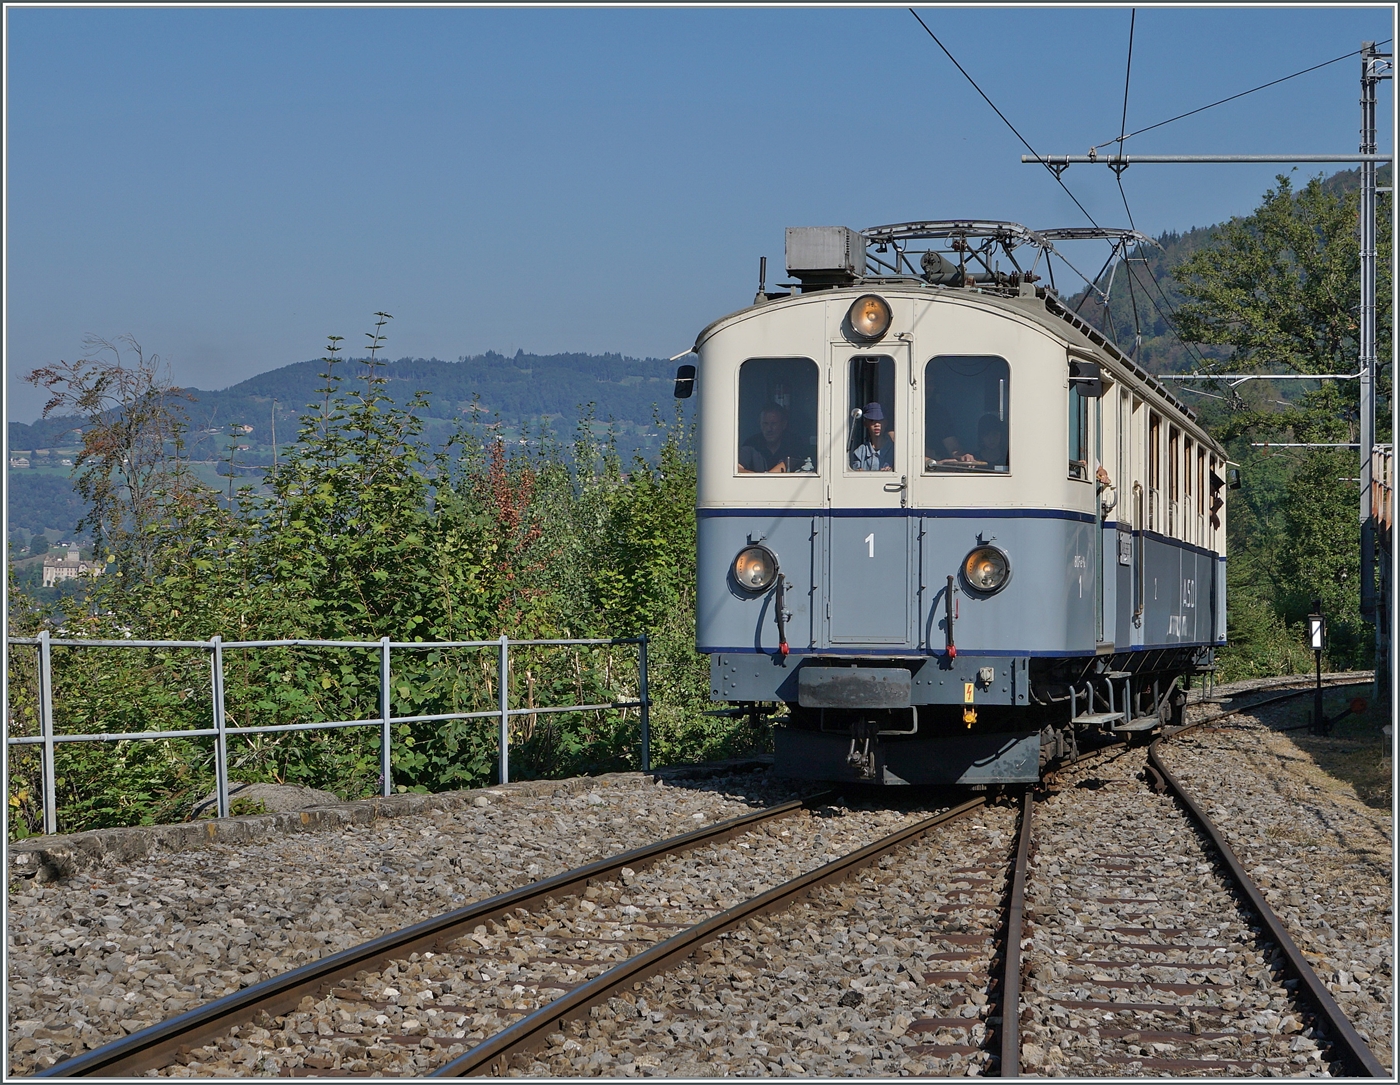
<point>768,450</point>
<point>876,452</point>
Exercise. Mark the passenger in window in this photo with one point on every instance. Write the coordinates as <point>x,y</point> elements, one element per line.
<point>876,452</point>
<point>991,448</point>
<point>769,450</point>
<point>991,442</point>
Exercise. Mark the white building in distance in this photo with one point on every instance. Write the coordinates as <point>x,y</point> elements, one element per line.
<point>58,569</point>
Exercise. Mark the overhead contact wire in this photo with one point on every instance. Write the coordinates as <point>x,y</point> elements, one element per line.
<point>1118,176</point>
<point>1002,115</point>
<point>1241,94</point>
<point>1058,180</point>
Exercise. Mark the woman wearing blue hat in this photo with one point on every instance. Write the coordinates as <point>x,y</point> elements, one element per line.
<point>876,452</point>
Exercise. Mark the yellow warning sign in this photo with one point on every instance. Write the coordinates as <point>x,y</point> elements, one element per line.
<point>967,692</point>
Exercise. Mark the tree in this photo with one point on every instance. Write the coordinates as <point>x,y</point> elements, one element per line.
<point>1280,290</point>
<point>132,472</point>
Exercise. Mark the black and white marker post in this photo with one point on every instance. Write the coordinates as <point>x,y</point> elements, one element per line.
<point>1317,641</point>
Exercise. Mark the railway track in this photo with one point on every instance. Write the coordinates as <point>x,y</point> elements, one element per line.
<point>892,956</point>
<point>1156,953</point>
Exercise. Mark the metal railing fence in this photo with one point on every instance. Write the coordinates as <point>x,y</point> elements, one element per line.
<point>385,720</point>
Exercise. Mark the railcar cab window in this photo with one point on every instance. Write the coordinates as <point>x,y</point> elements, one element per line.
<point>870,437</point>
<point>1078,433</point>
<point>777,416</point>
<point>967,400</point>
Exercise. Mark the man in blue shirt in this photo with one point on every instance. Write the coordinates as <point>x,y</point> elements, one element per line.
<point>876,452</point>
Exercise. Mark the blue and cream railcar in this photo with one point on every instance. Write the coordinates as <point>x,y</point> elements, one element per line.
<point>948,525</point>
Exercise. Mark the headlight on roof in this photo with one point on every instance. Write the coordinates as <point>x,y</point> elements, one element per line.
<point>870,316</point>
<point>755,568</point>
<point>986,570</point>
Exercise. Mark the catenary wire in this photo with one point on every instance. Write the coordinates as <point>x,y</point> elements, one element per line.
<point>1200,109</point>
<point>1118,175</point>
<point>1127,79</point>
<point>1002,115</point>
<point>1058,180</point>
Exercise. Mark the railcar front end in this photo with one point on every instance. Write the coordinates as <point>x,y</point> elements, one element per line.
<point>912,551</point>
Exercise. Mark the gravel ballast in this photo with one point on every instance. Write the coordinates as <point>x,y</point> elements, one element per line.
<point>1321,857</point>
<point>110,950</point>
<point>1141,960</point>
<point>887,973</point>
<point>412,1016</point>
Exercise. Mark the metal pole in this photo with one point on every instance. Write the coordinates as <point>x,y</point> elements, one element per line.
<point>1124,161</point>
<point>504,672</point>
<point>1368,325</point>
<point>216,667</point>
<point>645,698</point>
<point>47,776</point>
<point>386,786</point>
<point>1319,726</point>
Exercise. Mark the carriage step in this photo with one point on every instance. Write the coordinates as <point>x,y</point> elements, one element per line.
<point>1098,719</point>
<point>1116,674</point>
<point>1142,723</point>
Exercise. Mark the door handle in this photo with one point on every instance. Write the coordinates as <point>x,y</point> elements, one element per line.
<point>901,487</point>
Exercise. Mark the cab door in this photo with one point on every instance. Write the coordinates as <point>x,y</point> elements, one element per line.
<point>869,553</point>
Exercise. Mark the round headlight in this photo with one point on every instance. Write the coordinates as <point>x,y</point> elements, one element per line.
<point>755,568</point>
<point>987,569</point>
<point>870,316</point>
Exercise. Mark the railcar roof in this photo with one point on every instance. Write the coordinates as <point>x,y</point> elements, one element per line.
<point>1046,308</point>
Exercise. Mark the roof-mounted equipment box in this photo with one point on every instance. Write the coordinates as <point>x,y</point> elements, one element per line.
<point>825,256</point>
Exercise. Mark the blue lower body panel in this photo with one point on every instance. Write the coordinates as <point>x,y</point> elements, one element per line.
<point>872,581</point>
<point>996,758</point>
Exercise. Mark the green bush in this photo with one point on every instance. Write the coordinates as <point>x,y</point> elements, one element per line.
<point>362,533</point>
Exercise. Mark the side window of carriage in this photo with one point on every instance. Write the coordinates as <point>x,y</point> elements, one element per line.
<point>967,414</point>
<point>777,416</point>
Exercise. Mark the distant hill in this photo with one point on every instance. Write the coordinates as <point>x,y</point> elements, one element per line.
<point>526,392</point>
<point>37,501</point>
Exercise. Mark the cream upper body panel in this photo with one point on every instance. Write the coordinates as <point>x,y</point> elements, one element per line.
<point>925,325</point>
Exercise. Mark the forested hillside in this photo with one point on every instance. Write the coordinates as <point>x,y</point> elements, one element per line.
<point>1144,294</point>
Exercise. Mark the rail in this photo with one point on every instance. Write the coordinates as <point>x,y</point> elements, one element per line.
<point>146,1049</point>
<point>1352,1049</point>
<point>49,739</point>
<point>530,1031</point>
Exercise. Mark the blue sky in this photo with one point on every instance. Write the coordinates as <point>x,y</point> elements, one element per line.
<point>232,185</point>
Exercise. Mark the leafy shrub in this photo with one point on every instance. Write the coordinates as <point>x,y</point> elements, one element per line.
<point>362,533</point>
